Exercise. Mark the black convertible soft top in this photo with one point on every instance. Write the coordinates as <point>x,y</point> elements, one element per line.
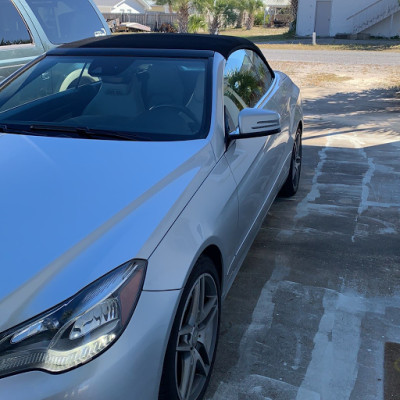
<point>224,45</point>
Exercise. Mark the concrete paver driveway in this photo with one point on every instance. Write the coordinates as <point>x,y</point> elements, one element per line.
<point>314,313</point>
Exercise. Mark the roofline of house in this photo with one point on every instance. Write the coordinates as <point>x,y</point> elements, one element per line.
<point>143,2</point>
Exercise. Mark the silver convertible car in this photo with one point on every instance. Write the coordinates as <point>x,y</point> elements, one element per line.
<point>136,171</point>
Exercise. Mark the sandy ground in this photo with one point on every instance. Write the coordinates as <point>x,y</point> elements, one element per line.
<point>361,89</point>
<point>312,77</point>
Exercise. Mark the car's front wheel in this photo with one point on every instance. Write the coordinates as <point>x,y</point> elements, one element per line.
<point>192,345</point>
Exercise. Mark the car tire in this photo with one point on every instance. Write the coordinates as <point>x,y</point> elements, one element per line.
<point>193,341</point>
<point>291,184</point>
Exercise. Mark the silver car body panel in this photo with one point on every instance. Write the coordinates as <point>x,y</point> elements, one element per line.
<point>114,212</point>
<point>193,195</point>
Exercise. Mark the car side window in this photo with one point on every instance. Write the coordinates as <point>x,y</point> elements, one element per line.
<point>12,27</point>
<point>263,72</point>
<point>246,80</point>
<point>65,21</point>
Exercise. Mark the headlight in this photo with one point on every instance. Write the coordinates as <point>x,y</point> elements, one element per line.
<point>72,333</point>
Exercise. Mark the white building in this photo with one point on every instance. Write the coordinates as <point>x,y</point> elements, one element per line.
<point>274,6</point>
<point>332,17</point>
<point>277,3</point>
<point>123,7</point>
<point>131,7</point>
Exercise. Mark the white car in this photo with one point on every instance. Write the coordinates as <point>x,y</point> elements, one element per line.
<point>136,172</point>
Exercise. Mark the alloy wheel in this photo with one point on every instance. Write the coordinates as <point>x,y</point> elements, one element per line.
<point>197,337</point>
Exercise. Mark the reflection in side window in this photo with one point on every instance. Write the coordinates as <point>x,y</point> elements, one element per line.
<point>12,27</point>
<point>263,72</point>
<point>246,80</point>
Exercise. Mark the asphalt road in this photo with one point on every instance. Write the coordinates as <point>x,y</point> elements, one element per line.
<point>314,313</point>
<point>344,57</point>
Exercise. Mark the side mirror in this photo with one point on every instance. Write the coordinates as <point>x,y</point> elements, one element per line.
<point>254,122</point>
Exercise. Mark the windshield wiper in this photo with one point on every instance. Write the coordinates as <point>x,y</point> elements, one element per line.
<point>88,132</point>
<point>4,128</point>
<point>8,129</point>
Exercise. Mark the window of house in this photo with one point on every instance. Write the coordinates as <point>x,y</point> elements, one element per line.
<point>12,27</point>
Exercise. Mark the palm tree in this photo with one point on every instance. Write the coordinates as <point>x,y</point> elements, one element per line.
<point>240,8</point>
<point>182,8</point>
<point>196,22</point>
<point>251,7</point>
<point>216,11</point>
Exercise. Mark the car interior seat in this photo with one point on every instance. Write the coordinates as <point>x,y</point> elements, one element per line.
<point>119,94</point>
<point>163,86</point>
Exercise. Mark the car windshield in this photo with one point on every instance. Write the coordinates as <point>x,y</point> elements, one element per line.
<point>66,21</point>
<point>149,98</point>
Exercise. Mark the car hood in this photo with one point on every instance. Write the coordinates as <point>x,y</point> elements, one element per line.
<point>73,209</point>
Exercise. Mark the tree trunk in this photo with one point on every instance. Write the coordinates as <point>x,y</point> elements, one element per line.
<point>239,22</point>
<point>294,4</point>
<point>250,22</point>
<point>183,18</point>
<point>213,27</point>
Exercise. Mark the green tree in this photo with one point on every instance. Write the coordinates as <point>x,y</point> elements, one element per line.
<point>182,8</point>
<point>217,12</point>
<point>196,23</point>
<point>251,7</point>
<point>240,8</point>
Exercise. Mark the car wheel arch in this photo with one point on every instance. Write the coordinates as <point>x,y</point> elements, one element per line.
<point>213,252</point>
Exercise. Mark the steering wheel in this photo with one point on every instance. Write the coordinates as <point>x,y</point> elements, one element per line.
<point>71,80</point>
<point>183,109</point>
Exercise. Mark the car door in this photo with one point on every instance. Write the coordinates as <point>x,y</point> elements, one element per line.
<point>19,42</point>
<point>255,162</point>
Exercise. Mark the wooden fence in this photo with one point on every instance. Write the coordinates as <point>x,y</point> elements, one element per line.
<point>153,19</point>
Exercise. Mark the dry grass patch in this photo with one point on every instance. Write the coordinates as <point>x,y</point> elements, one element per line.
<point>325,79</point>
<point>342,78</point>
<point>265,38</point>
<point>260,34</point>
<point>371,46</point>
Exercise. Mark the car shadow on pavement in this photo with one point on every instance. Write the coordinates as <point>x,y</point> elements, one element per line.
<point>352,117</point>
<point>364,102</point>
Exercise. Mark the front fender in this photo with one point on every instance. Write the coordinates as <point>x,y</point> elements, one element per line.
<point>210,218</point>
